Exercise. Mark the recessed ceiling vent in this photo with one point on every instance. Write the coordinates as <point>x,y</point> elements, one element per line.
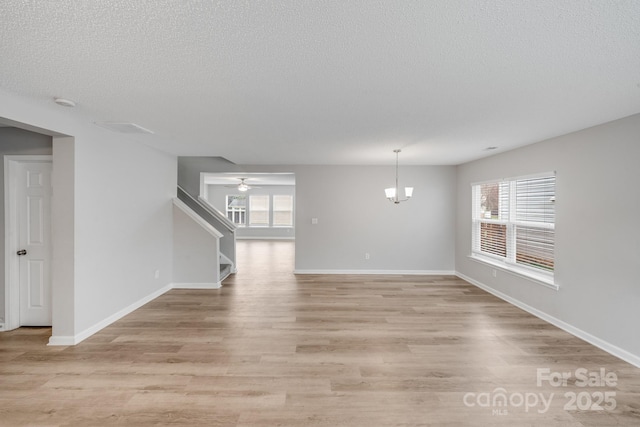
<point>123,127</point>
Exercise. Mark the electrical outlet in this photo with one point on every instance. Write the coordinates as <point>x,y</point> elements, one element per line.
<point>157,274</point>
<point>367,255</point>
<point>314,221</point>
<point>494,273</point>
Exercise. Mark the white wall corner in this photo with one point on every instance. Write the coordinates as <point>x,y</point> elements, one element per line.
<point>75,339</point>
<point>614,350</point>
<point>216,285</point>
<point>62,340</point>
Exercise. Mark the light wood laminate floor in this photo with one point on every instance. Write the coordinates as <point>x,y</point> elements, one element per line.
<point>274,349</point>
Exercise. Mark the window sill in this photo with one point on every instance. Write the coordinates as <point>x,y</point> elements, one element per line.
<point>540,279</point>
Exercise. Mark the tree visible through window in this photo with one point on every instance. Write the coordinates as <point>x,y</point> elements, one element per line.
<point>258,210</point>
<point>237,209</point>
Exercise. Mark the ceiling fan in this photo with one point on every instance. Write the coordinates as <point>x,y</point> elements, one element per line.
<point>242,186</point>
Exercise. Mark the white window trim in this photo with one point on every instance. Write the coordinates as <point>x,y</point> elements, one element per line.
<point>274,210</point>
<point>515,178</point>
<point>538,277</point>
<point>268,210</point>
<point>271,212</point>
<point>509,265</point>
<point>235,210</point>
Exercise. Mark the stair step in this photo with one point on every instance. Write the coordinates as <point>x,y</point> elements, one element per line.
<point>225,270</point>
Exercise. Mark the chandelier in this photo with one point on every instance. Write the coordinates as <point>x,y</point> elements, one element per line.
<point>393,193</point>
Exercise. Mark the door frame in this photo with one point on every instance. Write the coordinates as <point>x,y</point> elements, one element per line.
<point>12,263</point>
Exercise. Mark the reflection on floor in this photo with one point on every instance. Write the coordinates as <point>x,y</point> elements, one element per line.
<point>273,349</point>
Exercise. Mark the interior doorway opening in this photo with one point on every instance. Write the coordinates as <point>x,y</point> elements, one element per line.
<point>264,258</point>
<point>62,149</point>
<point>22,145</point>
<point>262,207</point>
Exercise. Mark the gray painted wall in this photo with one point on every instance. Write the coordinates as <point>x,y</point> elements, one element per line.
<point>15,141</point>
<point>597,233</point>
<point>114,238</point>
<point>216,195</point>
<point>354,218</point>
<point>63,229</point>
<point>122,235</point>
<point>189,169</point>
<point>194,251</point>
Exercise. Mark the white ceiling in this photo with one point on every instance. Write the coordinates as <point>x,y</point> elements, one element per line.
<point>330,81</point>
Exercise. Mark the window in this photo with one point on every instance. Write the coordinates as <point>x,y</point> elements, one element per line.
<point>514,224</point>
<point>259,210</point>
<point>237,209</point>
<point>282,211</point>
<point>263,210</point>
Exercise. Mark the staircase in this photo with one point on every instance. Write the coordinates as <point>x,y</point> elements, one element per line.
<point>190,171</point>
<point>225,271</point>
<point>202,234</point>
<point>227,266</point>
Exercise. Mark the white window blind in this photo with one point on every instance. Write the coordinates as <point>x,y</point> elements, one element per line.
<point>535,222</point>
<point>514,222</point>
<point>259,210</point>
<point>282,211</point>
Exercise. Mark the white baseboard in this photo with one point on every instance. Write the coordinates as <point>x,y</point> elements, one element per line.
<point>75,339</point>
<point>381,272</point>
<point>217,285</point>
<point>62,340</point>
<point>265,238</point>
<point>591,339</point>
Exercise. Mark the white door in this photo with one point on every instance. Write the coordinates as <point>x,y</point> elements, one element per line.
<point>33,217</point>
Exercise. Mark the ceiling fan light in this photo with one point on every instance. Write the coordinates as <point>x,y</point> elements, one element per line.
<point>243,187</point>
<point>390,192</point>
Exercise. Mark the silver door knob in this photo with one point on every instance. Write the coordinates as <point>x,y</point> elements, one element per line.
<point>22,252</point>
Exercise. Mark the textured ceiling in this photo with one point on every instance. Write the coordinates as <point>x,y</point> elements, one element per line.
<point>330,81</point>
